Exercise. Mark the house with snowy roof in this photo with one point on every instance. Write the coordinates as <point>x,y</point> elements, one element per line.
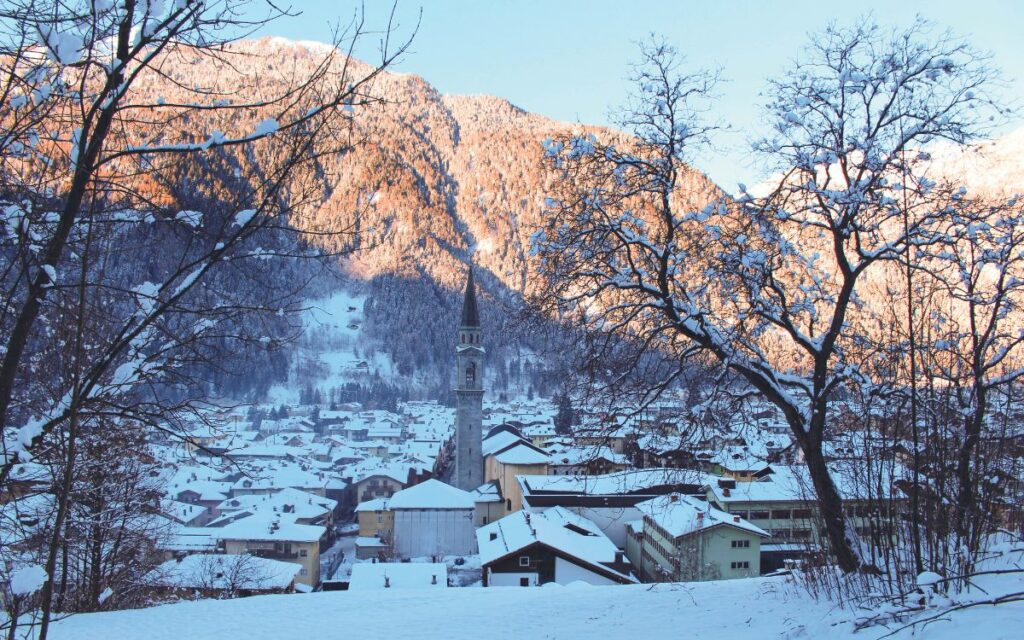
<point>305,507</point>
<point>215,575</point>
<point>204,493</point>
<point>530,549</point>
<point>271,478</point>
<point>488,503</point>
<point>508,454</point>
<point>181,541</point>
<point>432,519</point>
<point>185,513</point>
<point>682,538</point>
<point>579,460</point>
<point>378,479</point>
<point>609,499</point>
<point>276,536</point>
<point>782,503</point>
<point>376,523</point>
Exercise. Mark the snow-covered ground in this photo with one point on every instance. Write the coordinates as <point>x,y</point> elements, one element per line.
<point>343,545</point>
<point>762,608</point>
<point>331,338</point>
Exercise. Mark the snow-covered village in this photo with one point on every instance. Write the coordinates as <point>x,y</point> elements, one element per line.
<point>511,320</point>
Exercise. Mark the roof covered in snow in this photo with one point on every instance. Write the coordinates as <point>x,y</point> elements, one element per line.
<point>224,571</point>
<point>432,494</point>
<point>269,527</point>
<point>680,515</point>
<point>398,575</point>
<point>557,528</point>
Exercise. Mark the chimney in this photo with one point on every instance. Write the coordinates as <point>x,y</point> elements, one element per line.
<point>735,518</point>
<point>494,536</point>
<point>433,579</point>
<point>618,557</point>
<point>387,582</point>
<point>726,493</point>
<point>673,498</point>
<point>700,516</point>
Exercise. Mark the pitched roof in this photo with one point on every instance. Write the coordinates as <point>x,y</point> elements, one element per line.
<point>269,527</point>
<point>680,515</point>
<point>522,454</point>
<point>558,529</point>
<point>432,494</point>
<point>224,571</point>
<point>470,314</point>
<point>377,504</point>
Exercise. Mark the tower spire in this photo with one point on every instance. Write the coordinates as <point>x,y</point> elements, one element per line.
<point>469,393</point>
<point>470,314</point>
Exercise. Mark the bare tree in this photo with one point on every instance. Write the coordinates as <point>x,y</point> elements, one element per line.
<point>768,287</point>
<point>112,291</point>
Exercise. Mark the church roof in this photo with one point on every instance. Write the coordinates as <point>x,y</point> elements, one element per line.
<point>470,314</point>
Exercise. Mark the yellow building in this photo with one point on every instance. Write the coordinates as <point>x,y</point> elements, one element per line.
<point>276,537</point>
<point>503,467</point>
<point>375,519</point>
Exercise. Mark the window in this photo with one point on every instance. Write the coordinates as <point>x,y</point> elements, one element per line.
<point>799,514</point>
<point>759,515</point>
<point>740,565</point>
<point>740,544</point>
<point>303,553</point>
<point>471,373</point>
<point>524,561</point>
<point>303,572</point>
<point>524,582</point>
<point>380,518</point>
<point>780,514</point>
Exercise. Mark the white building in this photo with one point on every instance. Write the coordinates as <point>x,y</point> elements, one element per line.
<point>433,519</point>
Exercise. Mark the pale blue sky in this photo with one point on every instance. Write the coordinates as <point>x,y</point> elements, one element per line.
<point>568,59</point>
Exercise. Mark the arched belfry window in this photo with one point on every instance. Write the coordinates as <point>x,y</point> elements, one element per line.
<point>471,373</point>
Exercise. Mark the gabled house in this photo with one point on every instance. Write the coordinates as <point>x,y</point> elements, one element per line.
<point>506,455</point>
<point>682,538</point>
<point>276,536</point>
<point>531,549</point>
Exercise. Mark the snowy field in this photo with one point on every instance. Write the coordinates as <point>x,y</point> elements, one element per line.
<point>762,608</point>
<point>331,336</point>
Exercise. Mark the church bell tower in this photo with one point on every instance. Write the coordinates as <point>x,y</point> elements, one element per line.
<point>469,394</point>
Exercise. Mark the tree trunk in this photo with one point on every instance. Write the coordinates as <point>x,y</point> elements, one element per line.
<point>831,506</point>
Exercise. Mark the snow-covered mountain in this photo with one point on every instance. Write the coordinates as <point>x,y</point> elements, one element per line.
<point>991,168</point>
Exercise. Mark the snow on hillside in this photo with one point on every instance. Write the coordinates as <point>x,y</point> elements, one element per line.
<point>329,350</point>
<point>992,167</point>
<point>735,610</point>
